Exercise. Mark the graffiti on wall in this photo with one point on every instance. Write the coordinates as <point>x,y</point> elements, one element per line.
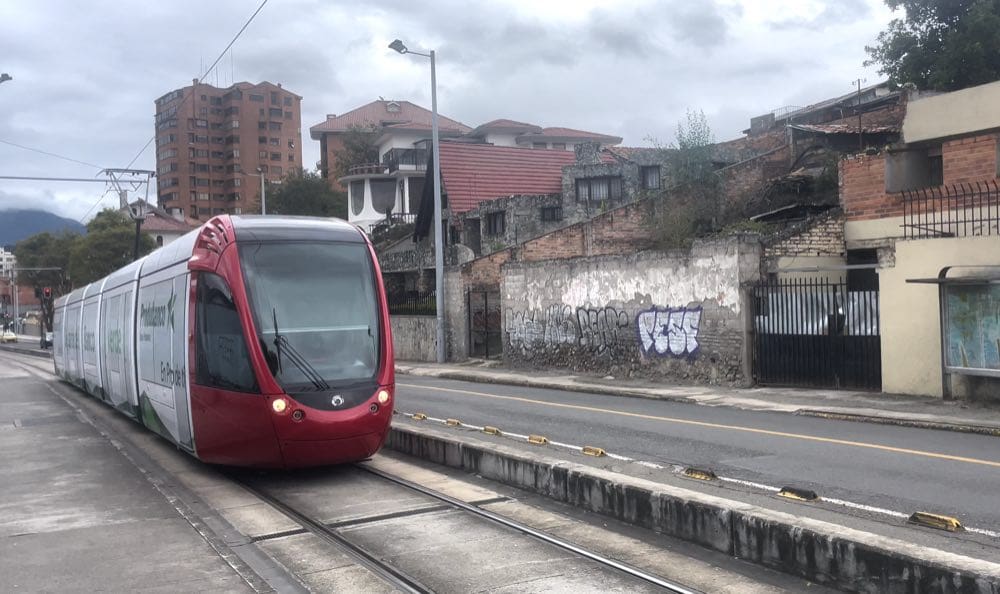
<point>671,332</point>
<point>594,328</point>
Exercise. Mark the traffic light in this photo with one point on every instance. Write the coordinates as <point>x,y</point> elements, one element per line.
<point>47,293</point>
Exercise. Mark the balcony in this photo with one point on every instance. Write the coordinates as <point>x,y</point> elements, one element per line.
<point>407,159</point>
<point>961,210</point>
<point>367,169</point>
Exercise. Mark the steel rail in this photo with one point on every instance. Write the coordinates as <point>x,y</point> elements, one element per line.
<point>537,534</point>
<point>387,572</point>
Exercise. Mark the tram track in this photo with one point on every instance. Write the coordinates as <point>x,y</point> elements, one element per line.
<point>403,580</point>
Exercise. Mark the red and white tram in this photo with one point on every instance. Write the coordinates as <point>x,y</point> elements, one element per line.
<point>251,341</point>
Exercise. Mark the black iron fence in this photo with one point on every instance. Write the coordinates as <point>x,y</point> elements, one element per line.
<point>412,304</point>
<point>386,228</point>
<point>959,210</point>
<point>816,332</point>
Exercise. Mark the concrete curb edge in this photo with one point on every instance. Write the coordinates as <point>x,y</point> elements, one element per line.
<point>816,550</point>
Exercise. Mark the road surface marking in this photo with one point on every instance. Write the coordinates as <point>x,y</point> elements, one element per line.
<point>831,440</point>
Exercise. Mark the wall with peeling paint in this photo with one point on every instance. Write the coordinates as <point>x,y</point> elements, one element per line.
<point>678,315</point>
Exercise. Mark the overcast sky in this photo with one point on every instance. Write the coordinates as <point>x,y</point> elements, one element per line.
<point>86,73</point>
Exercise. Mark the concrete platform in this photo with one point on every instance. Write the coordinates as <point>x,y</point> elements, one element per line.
<point>77,515</point>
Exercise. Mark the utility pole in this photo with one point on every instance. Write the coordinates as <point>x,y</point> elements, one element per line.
<point>861,138</point>
<point>136,178</point>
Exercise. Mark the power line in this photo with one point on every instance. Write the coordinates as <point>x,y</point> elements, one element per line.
<point>28,148</point>
<point>64,179</point>
<point>202,77</point>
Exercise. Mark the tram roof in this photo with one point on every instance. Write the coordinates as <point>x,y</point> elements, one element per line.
<point>270,228</point>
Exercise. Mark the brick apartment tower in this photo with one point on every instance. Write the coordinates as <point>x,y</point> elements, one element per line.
<point>210,143</point>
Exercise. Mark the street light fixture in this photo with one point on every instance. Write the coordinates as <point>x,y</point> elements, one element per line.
<point>400,47</point>
<point>5,77</point>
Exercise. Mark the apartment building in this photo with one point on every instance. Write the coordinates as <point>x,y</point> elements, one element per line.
<point>212,146</point>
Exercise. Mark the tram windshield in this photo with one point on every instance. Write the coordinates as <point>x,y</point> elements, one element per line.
<point>315,308</point>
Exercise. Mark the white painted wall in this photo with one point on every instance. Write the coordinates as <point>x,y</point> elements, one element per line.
<point>961,112</point>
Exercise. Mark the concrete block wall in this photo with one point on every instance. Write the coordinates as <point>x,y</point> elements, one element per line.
<point>679,315</point>
<point>413,337</point>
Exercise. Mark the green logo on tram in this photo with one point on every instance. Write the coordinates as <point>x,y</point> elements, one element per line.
<point>157,316</point>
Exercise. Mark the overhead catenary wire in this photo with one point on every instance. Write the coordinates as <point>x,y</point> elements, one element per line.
<point>184,99</point>
<point>51,154</point>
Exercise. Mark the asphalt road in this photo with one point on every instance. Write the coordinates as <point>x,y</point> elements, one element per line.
<point>896,468</point>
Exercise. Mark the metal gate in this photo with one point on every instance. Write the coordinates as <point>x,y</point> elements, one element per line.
<point>485,330</point>
<point>814,332</point>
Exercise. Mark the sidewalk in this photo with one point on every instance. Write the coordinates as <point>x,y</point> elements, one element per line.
<point>870,407</point>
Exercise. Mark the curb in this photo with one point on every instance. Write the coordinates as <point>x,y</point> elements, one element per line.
<point>832,555</point>
<point>616,391</point>
<point>26,351</point>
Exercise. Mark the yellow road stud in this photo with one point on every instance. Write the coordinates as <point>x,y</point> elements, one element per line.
<point>538,439</point>
<point>453,422</point>
<point>418,417</point>
<point>699,473</point>
<point>492,430</point>
<point>936,521</point>
<point>798,494</point>
<point>592,451</point>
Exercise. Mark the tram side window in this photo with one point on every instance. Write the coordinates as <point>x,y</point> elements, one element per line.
<point>222,357</point>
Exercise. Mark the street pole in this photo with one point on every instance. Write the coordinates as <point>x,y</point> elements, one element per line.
<point>438,232</point>
<point>400,47</point>
<point>263,197</point>
<point>138,230</point>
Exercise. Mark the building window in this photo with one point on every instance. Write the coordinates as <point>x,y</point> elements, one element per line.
<point>257,98</point>
<point>599,189</point>
<point>561,146</point>
<point>262,125</point>
<point>357,196</point>
<point>288,100</point>
<point>650,177</point>
<point>552,213</point>
<point>275,156</point>
<point>274,98</point>
<point>383,195</point>
<point>274,141</point>
<point>275,112</point>
<point>262,140</point>
<point>274,126</point>
<point>291,158</point>
<point>539,145</point>
<point>496,223</point>
<point>288,115</point>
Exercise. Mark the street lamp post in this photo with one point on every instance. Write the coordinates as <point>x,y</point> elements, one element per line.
<point>263,195</point>
<point>398,46</point>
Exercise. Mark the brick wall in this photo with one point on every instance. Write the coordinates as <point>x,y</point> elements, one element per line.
<point>969,159</point>
<point>821,237</point>
<point>862,177</point>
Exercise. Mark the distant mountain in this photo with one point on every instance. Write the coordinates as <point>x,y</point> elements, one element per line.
<point>16,225</point>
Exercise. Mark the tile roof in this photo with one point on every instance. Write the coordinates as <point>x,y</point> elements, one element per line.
<point>473,173</point>
<point>502,124</point>
<point>845,128</point>
<point>628,152</point>
<point>581,134</point>
<point>376,113</point>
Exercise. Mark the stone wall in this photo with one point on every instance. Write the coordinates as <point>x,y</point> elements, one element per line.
<point>413,338</point>
<point>679,315</point>
<point>523,220</point>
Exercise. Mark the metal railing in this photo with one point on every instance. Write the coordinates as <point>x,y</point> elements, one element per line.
<point>412,304</point>
<point>383,227</point>
<point>396,158</point>
<point>366,169</point>
<point>960,210</point>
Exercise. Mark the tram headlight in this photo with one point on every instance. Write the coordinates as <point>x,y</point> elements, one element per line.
<point>279,405</point>
<point>383,396</point>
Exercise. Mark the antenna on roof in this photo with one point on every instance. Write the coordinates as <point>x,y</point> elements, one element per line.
<point>381,98</point>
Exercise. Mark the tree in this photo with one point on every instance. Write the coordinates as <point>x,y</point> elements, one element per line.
<point>692,206</point>
<point>45,250</point>
<point>359,148</point>
<point>305,193</point>
<point>108,246</point>
<point>942,45</point>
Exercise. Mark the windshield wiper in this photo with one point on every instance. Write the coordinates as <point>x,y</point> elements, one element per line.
<point>296,358</point>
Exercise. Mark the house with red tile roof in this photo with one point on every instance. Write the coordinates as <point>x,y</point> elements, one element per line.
<point>162,226</point>
<point>393,184</point>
